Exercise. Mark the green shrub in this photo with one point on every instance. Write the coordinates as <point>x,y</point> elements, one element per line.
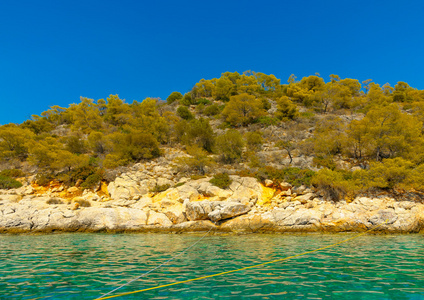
<point>336,184</point>
<point>92,180</point>
<point>83,202</point>
<point>203,101</point>
<point>221,180</point>
<point>390,173</point>
<point>179,184</point>
<point>230,146</point>
<point>324,162</point>
<point>254,140</point>
<point>54,201</point>
<point>287,110</point>
<point>184,113</point>
<point>7,182</point>
<point>187,100</point>
<point>267,121</point>
<point>174,96</point>
<point>307,115</point>
<point>43,179</point>
<point>197,176</point>
<point>160,188</point>
<point>211,110</point>
<point>265,103</point>
<point>14,173</point>
<point>294,176</point>
<point>78,174</point>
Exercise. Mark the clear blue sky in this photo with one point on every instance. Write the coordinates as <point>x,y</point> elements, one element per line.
<point>52,52</point>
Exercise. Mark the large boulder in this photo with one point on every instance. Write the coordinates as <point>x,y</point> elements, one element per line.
<point>200,210</point>
<point>228,210</point>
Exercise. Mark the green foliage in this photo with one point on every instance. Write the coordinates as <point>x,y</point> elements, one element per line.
<point>93,180</point>
<point>307,115</point>
<point>230,146</point>
<point>336,184</point>
<point>203,101</point>
<point>267,121</point>
<point>14,173</point>
<point>212,110</point>
<point>324,161</point>
<point>83,202</point>
<point>286,110</point>
<point>160,188</point>
<point>242,110</point>
<point>197,162</point>
<point>294,176</point>
<point>43,179</point>
<point>187,100</point>
<point>265,103</point>
<point>52,201</point>
<point>174,96</point>
<point>184,113</point>
<point>254,140</point>
<point>14,142</point>
<point>329,137</point>
<point>7,182</point>
<point>198,132</point>
<point>389,174</point>
<point>131,147</point>
<point>79,174</point>
<point>221,180</point>
<point>75,145</point>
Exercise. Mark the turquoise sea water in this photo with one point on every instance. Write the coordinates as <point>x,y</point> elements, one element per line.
<point>86,266</point>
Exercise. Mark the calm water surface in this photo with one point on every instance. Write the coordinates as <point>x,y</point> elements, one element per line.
<point>86,266</point>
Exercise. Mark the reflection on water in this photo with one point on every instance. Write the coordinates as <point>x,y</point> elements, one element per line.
<point>86,266</point>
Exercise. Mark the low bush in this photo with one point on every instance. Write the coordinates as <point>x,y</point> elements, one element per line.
<point>160,188</point>
<point>294,176</point>
<point>14,173</point>
<point>7,182</point>
<point>336,185</point>
<point>43,179</point>
<point>54,201</point>
<point>211,110</point>
<point>92,180</point>
<point>221,180</point>
<point>83,202</point>
<point>184,113</point>
<point>203,101</point>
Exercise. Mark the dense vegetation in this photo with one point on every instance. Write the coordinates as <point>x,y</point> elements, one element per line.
<point>362,137</point>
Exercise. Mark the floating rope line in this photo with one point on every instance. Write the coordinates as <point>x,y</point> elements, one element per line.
<point>162,264</point>
<point>241,269</point>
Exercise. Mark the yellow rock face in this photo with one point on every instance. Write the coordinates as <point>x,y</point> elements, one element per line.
<point>103,190</point>
<point>266,195</point>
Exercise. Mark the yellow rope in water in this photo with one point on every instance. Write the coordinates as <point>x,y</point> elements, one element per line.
<point>241,269</point>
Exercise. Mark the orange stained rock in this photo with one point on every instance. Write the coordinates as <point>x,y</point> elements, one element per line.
<point>103,190</point>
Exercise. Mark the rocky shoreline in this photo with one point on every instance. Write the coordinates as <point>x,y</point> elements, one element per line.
<point>247,206</point>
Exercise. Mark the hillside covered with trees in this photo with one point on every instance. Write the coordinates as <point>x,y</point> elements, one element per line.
<point>341,136</point>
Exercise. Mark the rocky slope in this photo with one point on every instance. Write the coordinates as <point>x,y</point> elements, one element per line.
<point>197,205</point>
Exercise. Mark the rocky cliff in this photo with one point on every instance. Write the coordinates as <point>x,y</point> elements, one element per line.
<point>196,205</point>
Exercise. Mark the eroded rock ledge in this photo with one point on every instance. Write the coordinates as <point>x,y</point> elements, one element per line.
<point>246,206</point>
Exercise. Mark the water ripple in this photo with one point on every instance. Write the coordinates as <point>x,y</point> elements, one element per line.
<point>85,266</point>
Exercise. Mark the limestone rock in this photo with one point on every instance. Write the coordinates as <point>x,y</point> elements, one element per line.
<point>284,186</point>
<point>158,219</point>
<point>199,210</point>
<point>228,210</point>
<point>269,183</point>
